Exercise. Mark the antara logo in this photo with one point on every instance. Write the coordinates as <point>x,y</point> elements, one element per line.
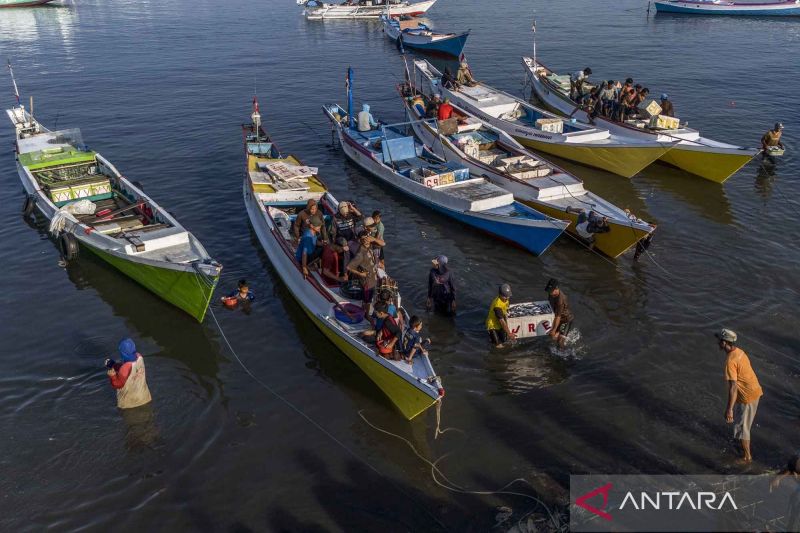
<point>667,500</point>
<point>580,501</point>
<point>676,500</point>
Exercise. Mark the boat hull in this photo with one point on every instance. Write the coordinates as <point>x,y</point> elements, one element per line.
<point>781,9</point>
<point>701,157</point>
<point>185,289</point>
<point>625,161</point>
<point>23,3</point>
<point>407,396</point>
<point>613,243</point>
<point>533,239</point>
<point>339,11</point>
<point>452,46</point>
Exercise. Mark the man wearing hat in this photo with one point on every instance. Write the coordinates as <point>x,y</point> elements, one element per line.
<point>744,391</point>
<point>772,139</point>
<point>441,289</point>
<point>310,213</point>
<point>562,323</point>
<point>667,108</point>
<point>464,76</point>
<point>497,319</point>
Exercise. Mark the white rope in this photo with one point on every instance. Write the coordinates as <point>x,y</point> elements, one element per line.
<point>454,487</point>
<point>310,420</point>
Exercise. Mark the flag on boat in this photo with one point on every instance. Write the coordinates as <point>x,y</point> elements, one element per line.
<point>255,105</point>
<point>347,80</point>
<point>533,28</point>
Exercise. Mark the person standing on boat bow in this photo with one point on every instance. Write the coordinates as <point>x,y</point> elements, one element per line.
<point>128,376</point>
<point>562,321</point>
<point>365,120</point>
<point>497,319</point>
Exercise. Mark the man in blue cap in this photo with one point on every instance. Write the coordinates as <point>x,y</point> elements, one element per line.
<point>667,108</point>
<point>128,376</point>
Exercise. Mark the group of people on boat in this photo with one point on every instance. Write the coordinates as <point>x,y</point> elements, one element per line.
<point>613,99</point>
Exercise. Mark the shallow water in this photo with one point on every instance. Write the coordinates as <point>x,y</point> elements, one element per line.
<point>160,89</point>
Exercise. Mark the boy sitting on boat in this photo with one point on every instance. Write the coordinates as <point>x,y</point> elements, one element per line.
<point>414,344</point>
<point>389,334</point>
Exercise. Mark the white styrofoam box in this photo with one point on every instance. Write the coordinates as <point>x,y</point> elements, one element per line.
<point>550,125</point>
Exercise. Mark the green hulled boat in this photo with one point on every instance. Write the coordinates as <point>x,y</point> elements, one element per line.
<point>90,205</point>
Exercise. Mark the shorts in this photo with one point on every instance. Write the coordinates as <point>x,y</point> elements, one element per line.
<point>368,294</point>
<point>497,336</point>
<point>744,414</point>
<point>564,328</point>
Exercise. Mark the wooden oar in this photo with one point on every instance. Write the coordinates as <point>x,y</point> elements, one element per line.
<point>112,214</point>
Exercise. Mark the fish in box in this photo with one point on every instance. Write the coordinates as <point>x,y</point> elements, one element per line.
<point>550,125</point>
<point>664,122</point>
<point>530,319</point>
<point>775,150</point>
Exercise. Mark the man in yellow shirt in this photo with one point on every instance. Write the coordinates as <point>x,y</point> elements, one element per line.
<point>744,391</point>
<point>497,319</point>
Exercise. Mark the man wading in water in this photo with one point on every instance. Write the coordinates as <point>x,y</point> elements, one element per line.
<point>744,391</point>
<point>128,376</point>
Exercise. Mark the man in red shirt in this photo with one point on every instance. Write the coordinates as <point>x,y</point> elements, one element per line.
<point>333,261</point>
<point>445,110</point>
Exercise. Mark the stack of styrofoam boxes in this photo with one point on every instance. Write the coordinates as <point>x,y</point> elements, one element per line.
<point>550,125</point>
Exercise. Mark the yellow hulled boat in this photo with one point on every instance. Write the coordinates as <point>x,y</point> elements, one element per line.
<point>537,183</point>
<point>709,159</point>
<point>548,133</point>
<point>275,189</point>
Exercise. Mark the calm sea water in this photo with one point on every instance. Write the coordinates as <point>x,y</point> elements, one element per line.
<point>160,89</point>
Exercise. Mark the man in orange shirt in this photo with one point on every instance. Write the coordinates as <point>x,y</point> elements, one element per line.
<point>744,391</point>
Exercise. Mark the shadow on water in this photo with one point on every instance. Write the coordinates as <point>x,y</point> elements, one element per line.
<point>708,199</point>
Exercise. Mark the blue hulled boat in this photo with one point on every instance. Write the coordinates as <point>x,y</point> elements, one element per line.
<point>410,167</point>
<point>421,37</point>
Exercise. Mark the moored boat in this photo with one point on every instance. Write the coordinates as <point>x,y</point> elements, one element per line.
<point>709,159</point>
<point>23,3</point>
<point>545,132</point>
<point>92,206</point>
<point>363,9</point>
<point>421,37</point>
<point>276,188</point>
<point>446,187</point>
<point>787,8</point>
<point>492,153</point>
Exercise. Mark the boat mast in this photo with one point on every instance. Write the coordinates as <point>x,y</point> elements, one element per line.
<point>14,82</point>
<point>256,117</point>
<point>349,85</point>
<point>533,29</point>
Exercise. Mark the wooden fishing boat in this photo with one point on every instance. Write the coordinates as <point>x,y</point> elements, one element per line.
<point>363,9</point>
<point>493,154</point>
<point>709,159</point>
<point>410,167</point>
<point>545,132</point>
<point>116,220</point>
<point>276,188</point>
<point>788,8</point>
<point>23,3</point>
<point>421,37</point>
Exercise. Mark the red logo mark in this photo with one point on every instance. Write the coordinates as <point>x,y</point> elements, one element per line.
<point>581,501</point>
